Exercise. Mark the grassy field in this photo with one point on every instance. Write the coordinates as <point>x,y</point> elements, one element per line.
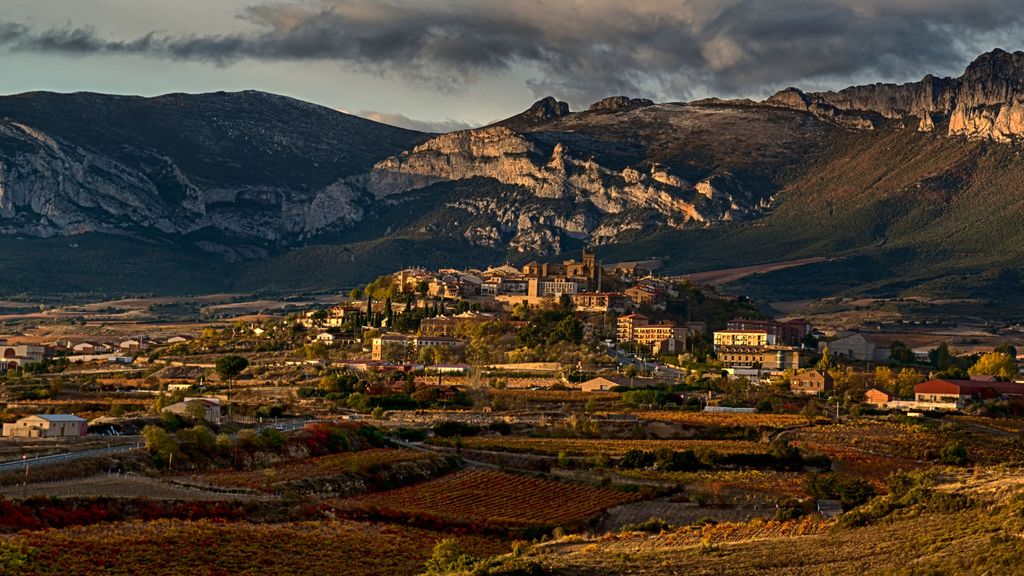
<point>979,535</point>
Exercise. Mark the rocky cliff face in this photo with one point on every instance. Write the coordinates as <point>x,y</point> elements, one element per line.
<point>249,175</point>
<point>987,102</point>
<point>49,187</point>
<point>558,173</point>
<point>248,166</point>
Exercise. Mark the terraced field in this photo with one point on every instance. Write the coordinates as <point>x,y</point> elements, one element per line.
<point>598,447</point>
<point>203,548</point>
<point>725,420</point>
<point>363,462</point>
<point>490,499</point>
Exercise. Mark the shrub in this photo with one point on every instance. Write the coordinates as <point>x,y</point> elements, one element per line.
<point>906,490</point>
<point>787,513</point>
<point>636,398</point>
<point>14,559</point>
<point>851,492</point>
<point>503,428</point>
<point>954,453</point>
<point>451,428</point>
<point>636,459</point>
<point>271,439</point>
<point>412,434</point>
<point>162,445</point>
<point>448,558</point>
<point>681,461</point>
<point>655,525</point>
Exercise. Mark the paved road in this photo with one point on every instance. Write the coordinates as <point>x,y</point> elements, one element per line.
<point>65,457</point>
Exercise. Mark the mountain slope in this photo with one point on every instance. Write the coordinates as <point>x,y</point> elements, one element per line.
<point>986,102</point>
<point>251,167</point>
<point>910,190</point>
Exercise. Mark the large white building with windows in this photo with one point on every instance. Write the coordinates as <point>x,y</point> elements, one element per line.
<point>14,356</point>
<point>743,338</point>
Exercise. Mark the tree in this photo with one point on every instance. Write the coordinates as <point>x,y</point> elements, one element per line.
<point>1007,349</point>
<point>902,384</point>
<point>631,371</point>
<point>316,350</point>
<point>940,357</point>
<point>899,352</point>
<point>884,376</point>
<point>328,384</point>
<point>998,364</point>
<point>954,453</point>
<point>426,394</point>
<point>160,443</point>
<point>229,367</point>
<point>195,410</point>
<point>319,317</point>
<point>433,355</point>
<point>809,341</point>
<point>954,372</point>
<point>812,410</point>
<point>198,439</point>
<point>565,302</point>
<point>638,398</point>
<point>389,313</point>
<point>825,363</point>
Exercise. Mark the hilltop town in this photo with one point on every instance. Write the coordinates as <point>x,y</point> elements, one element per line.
<point>562,397</point>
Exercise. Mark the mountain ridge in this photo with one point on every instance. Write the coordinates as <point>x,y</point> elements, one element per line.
<point>987,101</point>
<point>264,191</point>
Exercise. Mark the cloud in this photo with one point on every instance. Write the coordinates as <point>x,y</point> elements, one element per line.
<point>582,50</point>
<point>403,121</point>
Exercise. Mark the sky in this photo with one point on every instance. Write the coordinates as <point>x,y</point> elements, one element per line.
<point>447,64</point>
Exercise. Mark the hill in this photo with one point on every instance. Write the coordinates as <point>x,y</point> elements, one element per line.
<point>907,190</point>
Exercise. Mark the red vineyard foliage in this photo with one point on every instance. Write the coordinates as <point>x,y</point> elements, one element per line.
<point>489,500</point>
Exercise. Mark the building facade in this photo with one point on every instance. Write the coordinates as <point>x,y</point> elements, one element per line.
<point>47,426</point>
<point>743,338</point>
<point>811,383</point>
<point>958,393</point>
<point>600,302</point>
<point>787,332</point>
<point>14,356</point>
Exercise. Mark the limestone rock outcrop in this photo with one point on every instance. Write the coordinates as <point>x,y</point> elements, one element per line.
<point>555,173</point>
<point>620,103</point>
<point>986,102</point>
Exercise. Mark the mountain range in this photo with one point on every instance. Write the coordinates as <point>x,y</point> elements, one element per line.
<point>910,191</point>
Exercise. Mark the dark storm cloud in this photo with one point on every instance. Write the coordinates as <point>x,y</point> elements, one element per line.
<point>583,50</point>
